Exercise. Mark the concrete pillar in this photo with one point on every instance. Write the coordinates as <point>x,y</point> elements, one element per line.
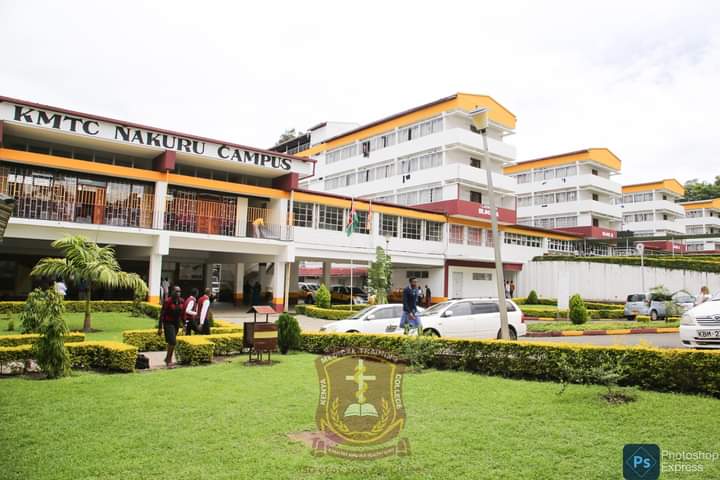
<point>241,217</point>
<point>326,271</point>
<point>160,200</point>
<point>278,286</point>
<point>154,273</point>
<point>239,283</point>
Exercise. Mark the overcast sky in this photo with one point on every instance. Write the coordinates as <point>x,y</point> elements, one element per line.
<point>639,77</point>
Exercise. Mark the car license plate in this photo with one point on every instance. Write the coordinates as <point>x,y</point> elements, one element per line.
<point>390,328</point>
<point>708,333</point>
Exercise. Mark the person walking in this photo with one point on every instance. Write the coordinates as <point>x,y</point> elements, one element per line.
<point>507,289</point>
<point>169,323</point>
<point>410,318</point>
<point>428,296</point>
<point>703,297</point>
<point>164,288</point>
<point>203,312</point>
<point>190,312</point>
<point>60,287</point>
<point>512,289</point>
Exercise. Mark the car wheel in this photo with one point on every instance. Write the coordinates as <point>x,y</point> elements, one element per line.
<point>511,331</point>
<point>431,332</point>
<point>653,315</point>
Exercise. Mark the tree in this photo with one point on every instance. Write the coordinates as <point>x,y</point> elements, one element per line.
<point>288,333</point>
<point>50,351</point>
<point>380,276</point>
<point>323,297</point>
<point>87,262</point>
<point>578,312</point>
<point>699,190</point>
<point>287,135</point>
<point>34,311</point>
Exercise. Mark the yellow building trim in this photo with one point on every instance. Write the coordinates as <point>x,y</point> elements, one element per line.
<point>128,173</point>
<point>696,205</point>
<point>364,205</point>
<point>154,299</point>
<point>603,156</point>
<point>669,184</point>
<point>464,101</point>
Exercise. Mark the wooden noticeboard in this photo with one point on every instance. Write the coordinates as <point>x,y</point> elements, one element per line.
<point>260,337</point>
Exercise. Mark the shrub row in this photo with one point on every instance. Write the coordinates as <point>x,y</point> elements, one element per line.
<point>31,338</point>
<point>551,313</point>
<point>327,313</point>
<point>199,349</point>
<point>553,301</point>
<point>671,263</point>
<point>111,356</point>
<point>675,370</point>
<point>147,340</point>
<point>151,310</point>
<point>354,308</point>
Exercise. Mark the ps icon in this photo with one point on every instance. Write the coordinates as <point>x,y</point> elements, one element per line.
<point>641,461</point>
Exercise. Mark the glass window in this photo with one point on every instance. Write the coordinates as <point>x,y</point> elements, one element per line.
<point>433,231</point>
<point>461,308</point>
<point>330,218</point>
<point>388,225</point>
<point>412,228</point>
<point>303,214</point>
<point>474,236</point>
<point>485,307</point>
<point>457,234</point>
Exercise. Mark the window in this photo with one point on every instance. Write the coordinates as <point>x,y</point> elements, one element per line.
<point>388,225</point>
<point>416,274</point>
<point>340,181</point>
<point>461,308</point>
<point>484,307</point>
<point>366,149</point>
<point>522,240</point>
<point>417,130</point>
<point>594,172</point>
<point>560,245</point>
<point>412,228</point>
<point>474,236</point>
<point>595,222</point>
<point>566,222</point>
<point>544,198</point>
<point>363,226</point>
<point>429,195</point>
<point>695,229</point>
<point>476,163</point>
<point>523,177</point>
<point>482,277</point>
<point>330,218</point>
<point>433,231</point>
<point>595,197</point>
<point>420,162</point>
<point>694,213</point>
<point>489,238</point>
<point>342,153</point>
<point>476,197</point>
<point>524,201</point>
<point>303,214</point>
<point>457,234</point>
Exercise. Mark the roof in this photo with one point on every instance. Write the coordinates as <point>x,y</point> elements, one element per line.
<point>603,156</point>
<point>669,184</point>
<point>696,204</point>
<point>463,101</point>
<point>145,127</point>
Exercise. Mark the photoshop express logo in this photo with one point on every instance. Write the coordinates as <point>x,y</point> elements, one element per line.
<point>641,462</point>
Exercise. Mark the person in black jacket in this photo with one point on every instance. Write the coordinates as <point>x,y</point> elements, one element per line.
<point>410,318</point>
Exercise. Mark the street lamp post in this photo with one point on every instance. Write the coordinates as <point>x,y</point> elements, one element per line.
<point>480,121</point>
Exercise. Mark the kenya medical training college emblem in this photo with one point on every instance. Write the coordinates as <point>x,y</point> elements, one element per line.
<point>360,411</point>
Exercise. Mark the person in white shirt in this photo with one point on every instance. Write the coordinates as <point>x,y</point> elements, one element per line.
<point>61,288</point>
<point>203,309</point>
<point>190,312</point>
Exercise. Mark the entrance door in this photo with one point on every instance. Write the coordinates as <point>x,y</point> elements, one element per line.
<point>457,283</point>
<point>98,216</point>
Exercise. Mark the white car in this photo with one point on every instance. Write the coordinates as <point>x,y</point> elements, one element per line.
<point>700,326</point>
<point>372,319</point>
<point>471,318</point>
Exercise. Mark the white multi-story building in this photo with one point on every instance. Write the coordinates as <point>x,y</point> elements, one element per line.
<point>428,156</point>
<point>177,205</point>
<point>572,192</point>
<point>702,217</point>
<point>651,209</point>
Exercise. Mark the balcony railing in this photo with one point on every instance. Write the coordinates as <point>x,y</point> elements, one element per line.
<point>79,204</point>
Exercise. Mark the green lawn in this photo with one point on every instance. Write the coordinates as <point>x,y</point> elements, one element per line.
<point>596,325</point>
<point>109,324</point>
<point>230,422</point>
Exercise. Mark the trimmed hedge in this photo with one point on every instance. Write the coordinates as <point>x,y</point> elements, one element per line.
<point>553,302</point>
<point>327,313</point>
<point>111,356</point>
<point>31,338</point>
<point>302,309</point>
<point>670,263</point>
<point>355,308</point>
<point>674,370</point>
<point>594,314</point>
<point>199,349</point>
<point>147,340</point>
<point>75,306</point>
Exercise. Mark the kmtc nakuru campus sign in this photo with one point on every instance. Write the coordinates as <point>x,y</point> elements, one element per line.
<point>13,113</point>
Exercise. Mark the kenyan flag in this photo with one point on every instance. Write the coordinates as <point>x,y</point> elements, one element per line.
<point>353,221</point>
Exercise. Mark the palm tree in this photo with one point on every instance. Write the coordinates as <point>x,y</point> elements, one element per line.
<point>87,262</point>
